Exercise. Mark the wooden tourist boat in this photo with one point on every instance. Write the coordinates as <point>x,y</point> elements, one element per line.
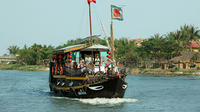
<point>89,78</point>
<point>87,70</point>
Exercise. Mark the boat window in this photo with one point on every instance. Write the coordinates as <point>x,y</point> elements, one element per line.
<point>75,57</point>
<point>104,56</point>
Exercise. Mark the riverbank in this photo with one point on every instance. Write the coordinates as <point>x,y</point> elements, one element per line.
<point>23,67</point>
<point>134,71</point>
<point>169,72</point>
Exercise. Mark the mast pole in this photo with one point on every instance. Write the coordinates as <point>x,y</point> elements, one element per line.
<point>112,38</point>
<point>91,41</point>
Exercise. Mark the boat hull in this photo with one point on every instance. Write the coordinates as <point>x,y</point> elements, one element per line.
<point>112,88</point>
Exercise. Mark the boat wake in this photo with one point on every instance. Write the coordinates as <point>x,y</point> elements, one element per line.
<point>104,101</point>
<point>101,101</point>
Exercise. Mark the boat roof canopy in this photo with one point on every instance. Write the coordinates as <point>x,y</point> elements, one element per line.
<point>96,48</point>
<point>81,47</point>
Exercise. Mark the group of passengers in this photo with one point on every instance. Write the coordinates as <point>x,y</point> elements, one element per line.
<point>95,65</point>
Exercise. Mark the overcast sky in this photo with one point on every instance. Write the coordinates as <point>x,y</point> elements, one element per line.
<point>53,22</point>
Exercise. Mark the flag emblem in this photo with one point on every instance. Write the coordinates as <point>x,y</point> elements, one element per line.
<point>89,1</point>
<point>116,13</point>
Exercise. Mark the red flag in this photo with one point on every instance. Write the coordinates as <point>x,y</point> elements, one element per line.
<point>89,1</point>
<point>116,13</point>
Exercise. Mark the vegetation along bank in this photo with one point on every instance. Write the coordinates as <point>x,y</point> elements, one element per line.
<point>174,52</point>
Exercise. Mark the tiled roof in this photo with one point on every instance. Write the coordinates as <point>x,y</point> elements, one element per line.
<point>194,45</point>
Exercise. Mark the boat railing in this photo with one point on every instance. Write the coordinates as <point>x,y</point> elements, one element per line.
<point>83,71</point>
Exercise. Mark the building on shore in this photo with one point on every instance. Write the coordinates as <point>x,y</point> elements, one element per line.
<point>7,59</point>
<point>193,46</point>
<point>187,60</point>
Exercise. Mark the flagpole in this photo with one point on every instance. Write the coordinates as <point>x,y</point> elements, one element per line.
<point>112,40</point>
<point>112,37</point>
<point>91,41</point>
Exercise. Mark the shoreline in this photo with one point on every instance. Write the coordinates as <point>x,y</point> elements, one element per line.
<point>161,72</point>
<point>131,71</point>
<point>24,67</point>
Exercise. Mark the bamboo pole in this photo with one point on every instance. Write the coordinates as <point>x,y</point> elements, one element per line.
<point>112,37</point>
<point>91,41</point>
<point>102,26</point>
<point>112,41</point>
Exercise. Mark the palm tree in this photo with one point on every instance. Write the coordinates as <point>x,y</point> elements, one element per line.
<point>157,36</point>
<point>191,33</point>
<point>185,35</point>
<point>13,50</point>
<point>37,48</point>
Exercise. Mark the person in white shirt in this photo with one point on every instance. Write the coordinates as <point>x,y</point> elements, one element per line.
<point>97,61</point>
<point>97,64</point>
<point>103,66</point>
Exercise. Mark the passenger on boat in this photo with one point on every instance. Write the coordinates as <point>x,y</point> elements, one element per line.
<point>97,61</point>
<point>97,64</point>
<point>90,67</point>
<point>89,59</point>
<point>81,65</point>
<point>103,67</point>
<point>82,60</point>
<point>75,65</point>
<point>108,65</point>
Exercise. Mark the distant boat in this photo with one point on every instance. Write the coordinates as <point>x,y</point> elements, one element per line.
<point>87,71</point>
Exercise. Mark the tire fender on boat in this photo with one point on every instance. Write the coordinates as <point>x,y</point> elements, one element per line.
<point>96,88</point>
<point>124,86</point>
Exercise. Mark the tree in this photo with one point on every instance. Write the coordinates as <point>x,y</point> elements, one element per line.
<point>27,56</point>
<point>35,55</point>
<point>13,50</point>
<point>126,51</point>
<point>185,35</point>
<point>158,48</point>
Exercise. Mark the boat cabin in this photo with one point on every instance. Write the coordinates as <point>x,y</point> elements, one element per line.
<point>81,59</point>
<point>86,71</point>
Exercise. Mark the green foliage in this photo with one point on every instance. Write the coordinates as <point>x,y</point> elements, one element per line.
<point>168,46</point>
<point>34,55</point>
<point>13,50</point>
<point>158,48</point>
<point>185,35</point>
<point>125,50</point>
<point>23,67</point>
<point>154,49</point>
<point>170,49</point>
<point>27,56</point>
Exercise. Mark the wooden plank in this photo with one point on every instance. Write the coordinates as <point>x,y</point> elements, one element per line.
<point>70,78</point>
<point>75,87</point>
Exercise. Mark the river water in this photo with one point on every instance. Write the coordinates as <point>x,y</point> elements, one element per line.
<point>22,91</point>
